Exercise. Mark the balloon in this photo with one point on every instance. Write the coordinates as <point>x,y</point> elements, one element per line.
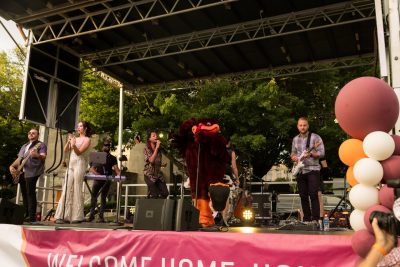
<point>378,145</point>
<point>350,151</point>
<point>396,139</point>
<point>362,241</point>
<point>357,220</point>
<point>386,196</point>
<point>365,105</point>
<point>363,196</point>
<point>368,214</point>
<point>391,168</point>
<point>368,171</point>
<point>350,176</point>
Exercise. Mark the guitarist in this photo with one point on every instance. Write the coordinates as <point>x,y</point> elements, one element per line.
<point>35,153</point>
<point>308,179</point>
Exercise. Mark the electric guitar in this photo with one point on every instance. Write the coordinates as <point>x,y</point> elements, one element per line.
<point>298,166</point>
<point>15,175</point>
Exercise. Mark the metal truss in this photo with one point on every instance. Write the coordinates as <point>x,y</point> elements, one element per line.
<point>106,17</point>
<point>302,21</point>
<point>262,74</point>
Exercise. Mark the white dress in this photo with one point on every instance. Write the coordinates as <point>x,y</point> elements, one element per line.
<point>74,177</point>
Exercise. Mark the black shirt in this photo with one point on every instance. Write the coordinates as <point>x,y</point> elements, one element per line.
<point>106,169</point>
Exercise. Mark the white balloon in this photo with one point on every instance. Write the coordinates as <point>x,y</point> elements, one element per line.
<point>368,171</point>
<point>357,220</point>
<point>363,196</point>
<point>378,145</point>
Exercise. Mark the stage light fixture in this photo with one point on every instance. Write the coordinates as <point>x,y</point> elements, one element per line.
<point>248,215</point>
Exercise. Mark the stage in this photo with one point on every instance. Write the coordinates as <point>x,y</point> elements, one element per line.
<point>90,244</point>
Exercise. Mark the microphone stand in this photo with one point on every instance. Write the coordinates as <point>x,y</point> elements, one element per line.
<point>66,180</point>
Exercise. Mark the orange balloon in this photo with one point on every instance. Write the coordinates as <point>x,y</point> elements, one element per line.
<point>350,177</point>
<point>350,151</point>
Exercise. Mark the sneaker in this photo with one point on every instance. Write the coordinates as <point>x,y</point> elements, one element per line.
<point>60,221</point>
<point>90,219</point>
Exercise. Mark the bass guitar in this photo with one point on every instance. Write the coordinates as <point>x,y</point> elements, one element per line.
<point>17,173</point>
<point>299,165</point>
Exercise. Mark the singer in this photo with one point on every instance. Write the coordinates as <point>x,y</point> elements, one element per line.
<point>70,207</point>
<point>153,177</point>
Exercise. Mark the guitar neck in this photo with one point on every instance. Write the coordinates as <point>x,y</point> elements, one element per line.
<point>21,166</point>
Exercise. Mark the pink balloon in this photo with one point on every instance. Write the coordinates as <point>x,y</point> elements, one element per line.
<point>396,139</point>
<point>391,168</point>
<point>362,241</point>
<point>386,196</point>
<point>368,213</point>
<point>365,105</point>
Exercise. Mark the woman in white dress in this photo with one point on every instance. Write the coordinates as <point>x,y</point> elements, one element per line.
<point>72,196</point>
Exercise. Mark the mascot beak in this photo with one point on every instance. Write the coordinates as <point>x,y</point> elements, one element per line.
<point>207,129</point>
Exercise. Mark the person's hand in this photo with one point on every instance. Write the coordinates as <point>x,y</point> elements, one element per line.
<point>13,170</point>
<point>34,153</point>
<point>295,158</point>
<point>383,238</point>
<point>72,140</point>
<point>158,143</point>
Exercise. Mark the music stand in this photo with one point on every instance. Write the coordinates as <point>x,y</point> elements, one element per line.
<point>98,158</point>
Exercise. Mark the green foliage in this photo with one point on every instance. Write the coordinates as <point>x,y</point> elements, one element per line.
<point>12,131</point>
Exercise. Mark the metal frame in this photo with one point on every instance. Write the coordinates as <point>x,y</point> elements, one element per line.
<point>284,71</point>
<point>107,17</point>
<point>271,27</point>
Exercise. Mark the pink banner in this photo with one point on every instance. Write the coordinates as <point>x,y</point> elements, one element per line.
<point>185,249</point>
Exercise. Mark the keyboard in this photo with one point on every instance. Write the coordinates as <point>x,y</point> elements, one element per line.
<point>105,177</point>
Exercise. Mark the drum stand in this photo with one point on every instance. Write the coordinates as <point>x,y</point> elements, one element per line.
<point>344,202</point>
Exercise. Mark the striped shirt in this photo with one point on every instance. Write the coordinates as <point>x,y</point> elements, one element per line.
<point>299,145</point>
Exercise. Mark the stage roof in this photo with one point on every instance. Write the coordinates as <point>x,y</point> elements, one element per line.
<point>152,42</point>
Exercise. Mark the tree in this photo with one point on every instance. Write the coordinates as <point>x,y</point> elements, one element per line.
<point>12,131</point>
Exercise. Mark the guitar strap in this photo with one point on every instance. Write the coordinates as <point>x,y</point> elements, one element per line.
<point>308,141</point>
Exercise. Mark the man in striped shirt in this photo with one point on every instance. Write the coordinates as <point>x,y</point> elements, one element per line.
<point>308,181</point>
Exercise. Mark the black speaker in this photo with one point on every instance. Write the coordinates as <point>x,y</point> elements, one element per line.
<point>154,214</point>
<point>11,213</point>
<point>187,216</point>
<point>261,205</point>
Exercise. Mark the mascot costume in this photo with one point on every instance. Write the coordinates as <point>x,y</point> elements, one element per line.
<point>204,151</point>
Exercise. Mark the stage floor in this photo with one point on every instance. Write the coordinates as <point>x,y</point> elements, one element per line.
<point>296,228</point>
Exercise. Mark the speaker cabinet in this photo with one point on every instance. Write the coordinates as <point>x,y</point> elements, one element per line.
<point>261,205</point>
<point>154,214</point>
<point>187,216</point>
<point>11,213</point>
<point>165,215</point>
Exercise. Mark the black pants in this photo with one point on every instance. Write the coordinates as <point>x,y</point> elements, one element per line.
<point>104,186</point>
<point>157,189</point>
<point>28,191</point>
<point>309,185</point>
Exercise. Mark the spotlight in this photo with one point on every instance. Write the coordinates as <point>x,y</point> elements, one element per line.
<point>248,215</point>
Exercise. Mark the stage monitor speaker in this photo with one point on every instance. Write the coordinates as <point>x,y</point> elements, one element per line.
<point>187,216</point>
<point>261,205</point>
<point>11,213</point>
<point>154,214</point>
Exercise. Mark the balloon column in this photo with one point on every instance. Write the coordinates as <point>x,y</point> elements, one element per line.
<point>367,109</point>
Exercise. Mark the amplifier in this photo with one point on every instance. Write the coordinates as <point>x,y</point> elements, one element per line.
<point>261,205</point>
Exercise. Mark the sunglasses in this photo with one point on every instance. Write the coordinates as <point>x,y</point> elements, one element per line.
<point>32,133</point>
<point>106,144</point>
